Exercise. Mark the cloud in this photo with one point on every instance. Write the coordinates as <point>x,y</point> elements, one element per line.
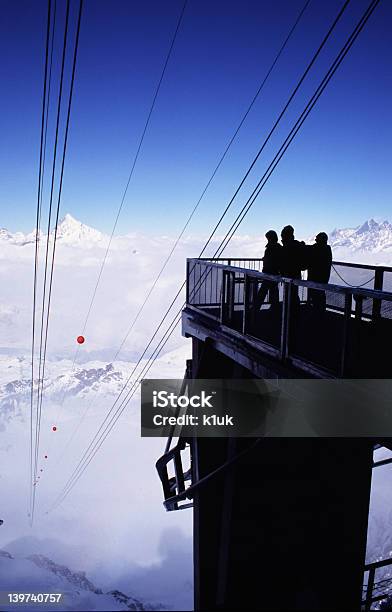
<point>112,525</point>
<point>169,580</point>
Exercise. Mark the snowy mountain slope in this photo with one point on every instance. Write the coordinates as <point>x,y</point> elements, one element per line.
<point>69,231</point>
<point>90,381</point>
<point>130,518</point>
<point>370,237</point>
<point>38,573</point>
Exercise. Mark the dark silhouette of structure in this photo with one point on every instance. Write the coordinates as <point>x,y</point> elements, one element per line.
<point>280,524</point>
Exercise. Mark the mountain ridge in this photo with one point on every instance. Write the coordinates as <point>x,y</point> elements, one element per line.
<point>69,230</point>
<point>74,585</point>
<point>89,381</point>
<point>368,236</point>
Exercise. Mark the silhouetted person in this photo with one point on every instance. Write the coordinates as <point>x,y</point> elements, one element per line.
<point>293,258</point>
<point>319,268</point>
<point>293,254</point>
<point>271,265</point>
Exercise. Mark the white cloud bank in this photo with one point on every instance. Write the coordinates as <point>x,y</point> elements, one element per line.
<point>112,525</point>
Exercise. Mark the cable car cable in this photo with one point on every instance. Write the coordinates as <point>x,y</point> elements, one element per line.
<point>279,156</point>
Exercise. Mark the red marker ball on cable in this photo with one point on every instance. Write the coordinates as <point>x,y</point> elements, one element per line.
<point>54,428</point>
<point>80,339</point>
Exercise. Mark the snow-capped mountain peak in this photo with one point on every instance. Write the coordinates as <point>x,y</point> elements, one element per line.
<point>368,226</point>
<point>369,236</point>
<point>71,230</point>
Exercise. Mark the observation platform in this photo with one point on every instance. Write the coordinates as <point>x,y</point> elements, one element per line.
<point>299,506</point>
<point>347,339</point>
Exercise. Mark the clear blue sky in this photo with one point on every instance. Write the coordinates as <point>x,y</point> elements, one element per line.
<point>336,174</point>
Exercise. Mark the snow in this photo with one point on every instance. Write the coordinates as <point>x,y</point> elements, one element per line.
<point>369,237</point>
<point>38,574</point>
<point>94,381</point>
<point>112,525</point>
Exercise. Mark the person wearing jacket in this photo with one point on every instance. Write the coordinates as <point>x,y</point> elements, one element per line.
<point>319,269</point>
<point>271,265</point>
<point>293,259</point>
<point>293,254</point>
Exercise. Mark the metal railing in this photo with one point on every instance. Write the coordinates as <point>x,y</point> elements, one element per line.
<point>224,291</point>
<point>359,275</point>
<point>307,336</point>
<point>174,486</point>
<point>375,591</point>
<point>174,489</point>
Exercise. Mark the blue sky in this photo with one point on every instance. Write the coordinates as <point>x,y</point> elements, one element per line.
<point>335,174</point>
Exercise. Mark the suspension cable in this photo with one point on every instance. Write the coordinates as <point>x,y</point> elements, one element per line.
<point>81,468</point>
<point>335,65</point>
<point>229,235</point>
<point>37,230</point>
<point>174,246</point>
<point>62,171</point>
<point>134,162</point>
<point>41,363</point>
<point>221,159</point>
<point>135,159</point>
<point>39,407</point>
<point>49,91</point>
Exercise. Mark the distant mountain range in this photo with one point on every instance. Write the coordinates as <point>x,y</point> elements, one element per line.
<point>94,380</point>
<point>69,231</point>
<point>370,236</point>
<point>37,573</point>
<point>62,386</point>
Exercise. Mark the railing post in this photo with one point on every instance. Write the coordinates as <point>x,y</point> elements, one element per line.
<point>369,589</point>
<point>255,288</point>
<point>195,290</point>
<point>231,297</point>
<point>245,320</point>
<point>378,285</point>
<point>223,297</point>
<point>180,482</point>
<point>285,324</point>
<point>345,335</point>
<point>187,282</point>
<point>358,299</point>
<point>227,298</point>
